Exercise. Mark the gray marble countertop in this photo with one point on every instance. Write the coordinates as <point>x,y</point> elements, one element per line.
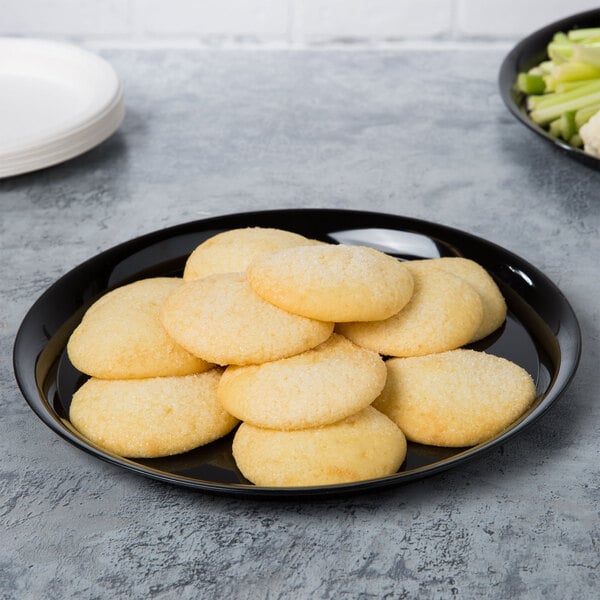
<point>421,134</point>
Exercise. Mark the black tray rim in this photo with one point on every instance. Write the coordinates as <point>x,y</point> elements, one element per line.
<point>570,338</point>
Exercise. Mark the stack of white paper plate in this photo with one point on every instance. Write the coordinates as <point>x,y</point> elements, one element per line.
<point>56,102</point>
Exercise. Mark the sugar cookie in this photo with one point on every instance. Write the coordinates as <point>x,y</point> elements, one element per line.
<point>366,445</point>
<point>320,386</point>
<point>220,319</point>
<point>121,336</point>
<point>443,313</point>
<point>332,282</point>
<point>151,417</point>
<point>494,305</point>
<point>232,251</point>
<point>456,398</point>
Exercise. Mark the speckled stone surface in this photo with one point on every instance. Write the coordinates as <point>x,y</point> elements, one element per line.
<point>421,134</point>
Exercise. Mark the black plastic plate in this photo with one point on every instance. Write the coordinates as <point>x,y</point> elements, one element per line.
<point>541,334</point>
<point>529,52</point>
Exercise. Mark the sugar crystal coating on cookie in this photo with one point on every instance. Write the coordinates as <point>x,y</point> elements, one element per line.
<point>332,282</point>
<point>494,305</point>
<point>151,417</point>
<point>455,399</point>
<point>121,336</point>
<point>443,314</point>
<point>319,386</point>
<point>220,319</point>
<point>366,445</point>
<point>232,251</point>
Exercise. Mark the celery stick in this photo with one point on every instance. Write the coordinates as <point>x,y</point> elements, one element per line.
<point>576,141</point>
<point>532,102</point>
<point>560,37</point>
<point>567,125</point>
<point>535,71</point>
<point>530,84</point>
<point>555,98</point>
<point>549,83</point>
<point>545,115</point>
<point>583,34</point>
<point>569,86</point>
<point>587,55</point>
<point>560,53</point>
<point>554,128</point>
<point>574,71</point>
<point>546,66</point>
<point>583,115</point>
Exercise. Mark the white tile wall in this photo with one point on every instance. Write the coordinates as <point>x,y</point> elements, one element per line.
<point>376,19</point>
<point>59,18</point>
<point>252,18</point>
<point>298,23</point>
<point>478,18</point>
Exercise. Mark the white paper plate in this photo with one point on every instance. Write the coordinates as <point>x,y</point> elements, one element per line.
<point>56,102</point>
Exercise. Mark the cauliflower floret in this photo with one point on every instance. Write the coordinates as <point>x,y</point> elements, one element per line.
<point>590,134</point>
